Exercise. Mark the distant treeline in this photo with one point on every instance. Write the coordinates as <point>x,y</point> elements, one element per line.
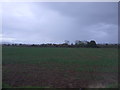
<point>77,44</point>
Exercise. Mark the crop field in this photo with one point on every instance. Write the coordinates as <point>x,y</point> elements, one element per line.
<point>59,67</point>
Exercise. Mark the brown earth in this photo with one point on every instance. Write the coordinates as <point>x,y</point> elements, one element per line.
<point>54,76</point>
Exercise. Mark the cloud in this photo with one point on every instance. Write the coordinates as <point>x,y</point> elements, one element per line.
<point>6,39</point>
<point>56,22</point>
<point>104,32</point>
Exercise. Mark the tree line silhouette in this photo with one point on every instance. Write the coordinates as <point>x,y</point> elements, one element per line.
<point>77,44</point>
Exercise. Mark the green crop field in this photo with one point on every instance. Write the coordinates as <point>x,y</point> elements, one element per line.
<point>59,67</point>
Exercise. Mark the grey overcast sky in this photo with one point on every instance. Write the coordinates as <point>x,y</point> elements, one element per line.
<point>55,22</point>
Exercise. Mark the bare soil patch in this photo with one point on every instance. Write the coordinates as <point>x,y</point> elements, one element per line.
<point>54,76</point>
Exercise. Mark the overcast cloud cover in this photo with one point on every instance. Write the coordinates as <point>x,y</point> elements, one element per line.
<point>55,22</point>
